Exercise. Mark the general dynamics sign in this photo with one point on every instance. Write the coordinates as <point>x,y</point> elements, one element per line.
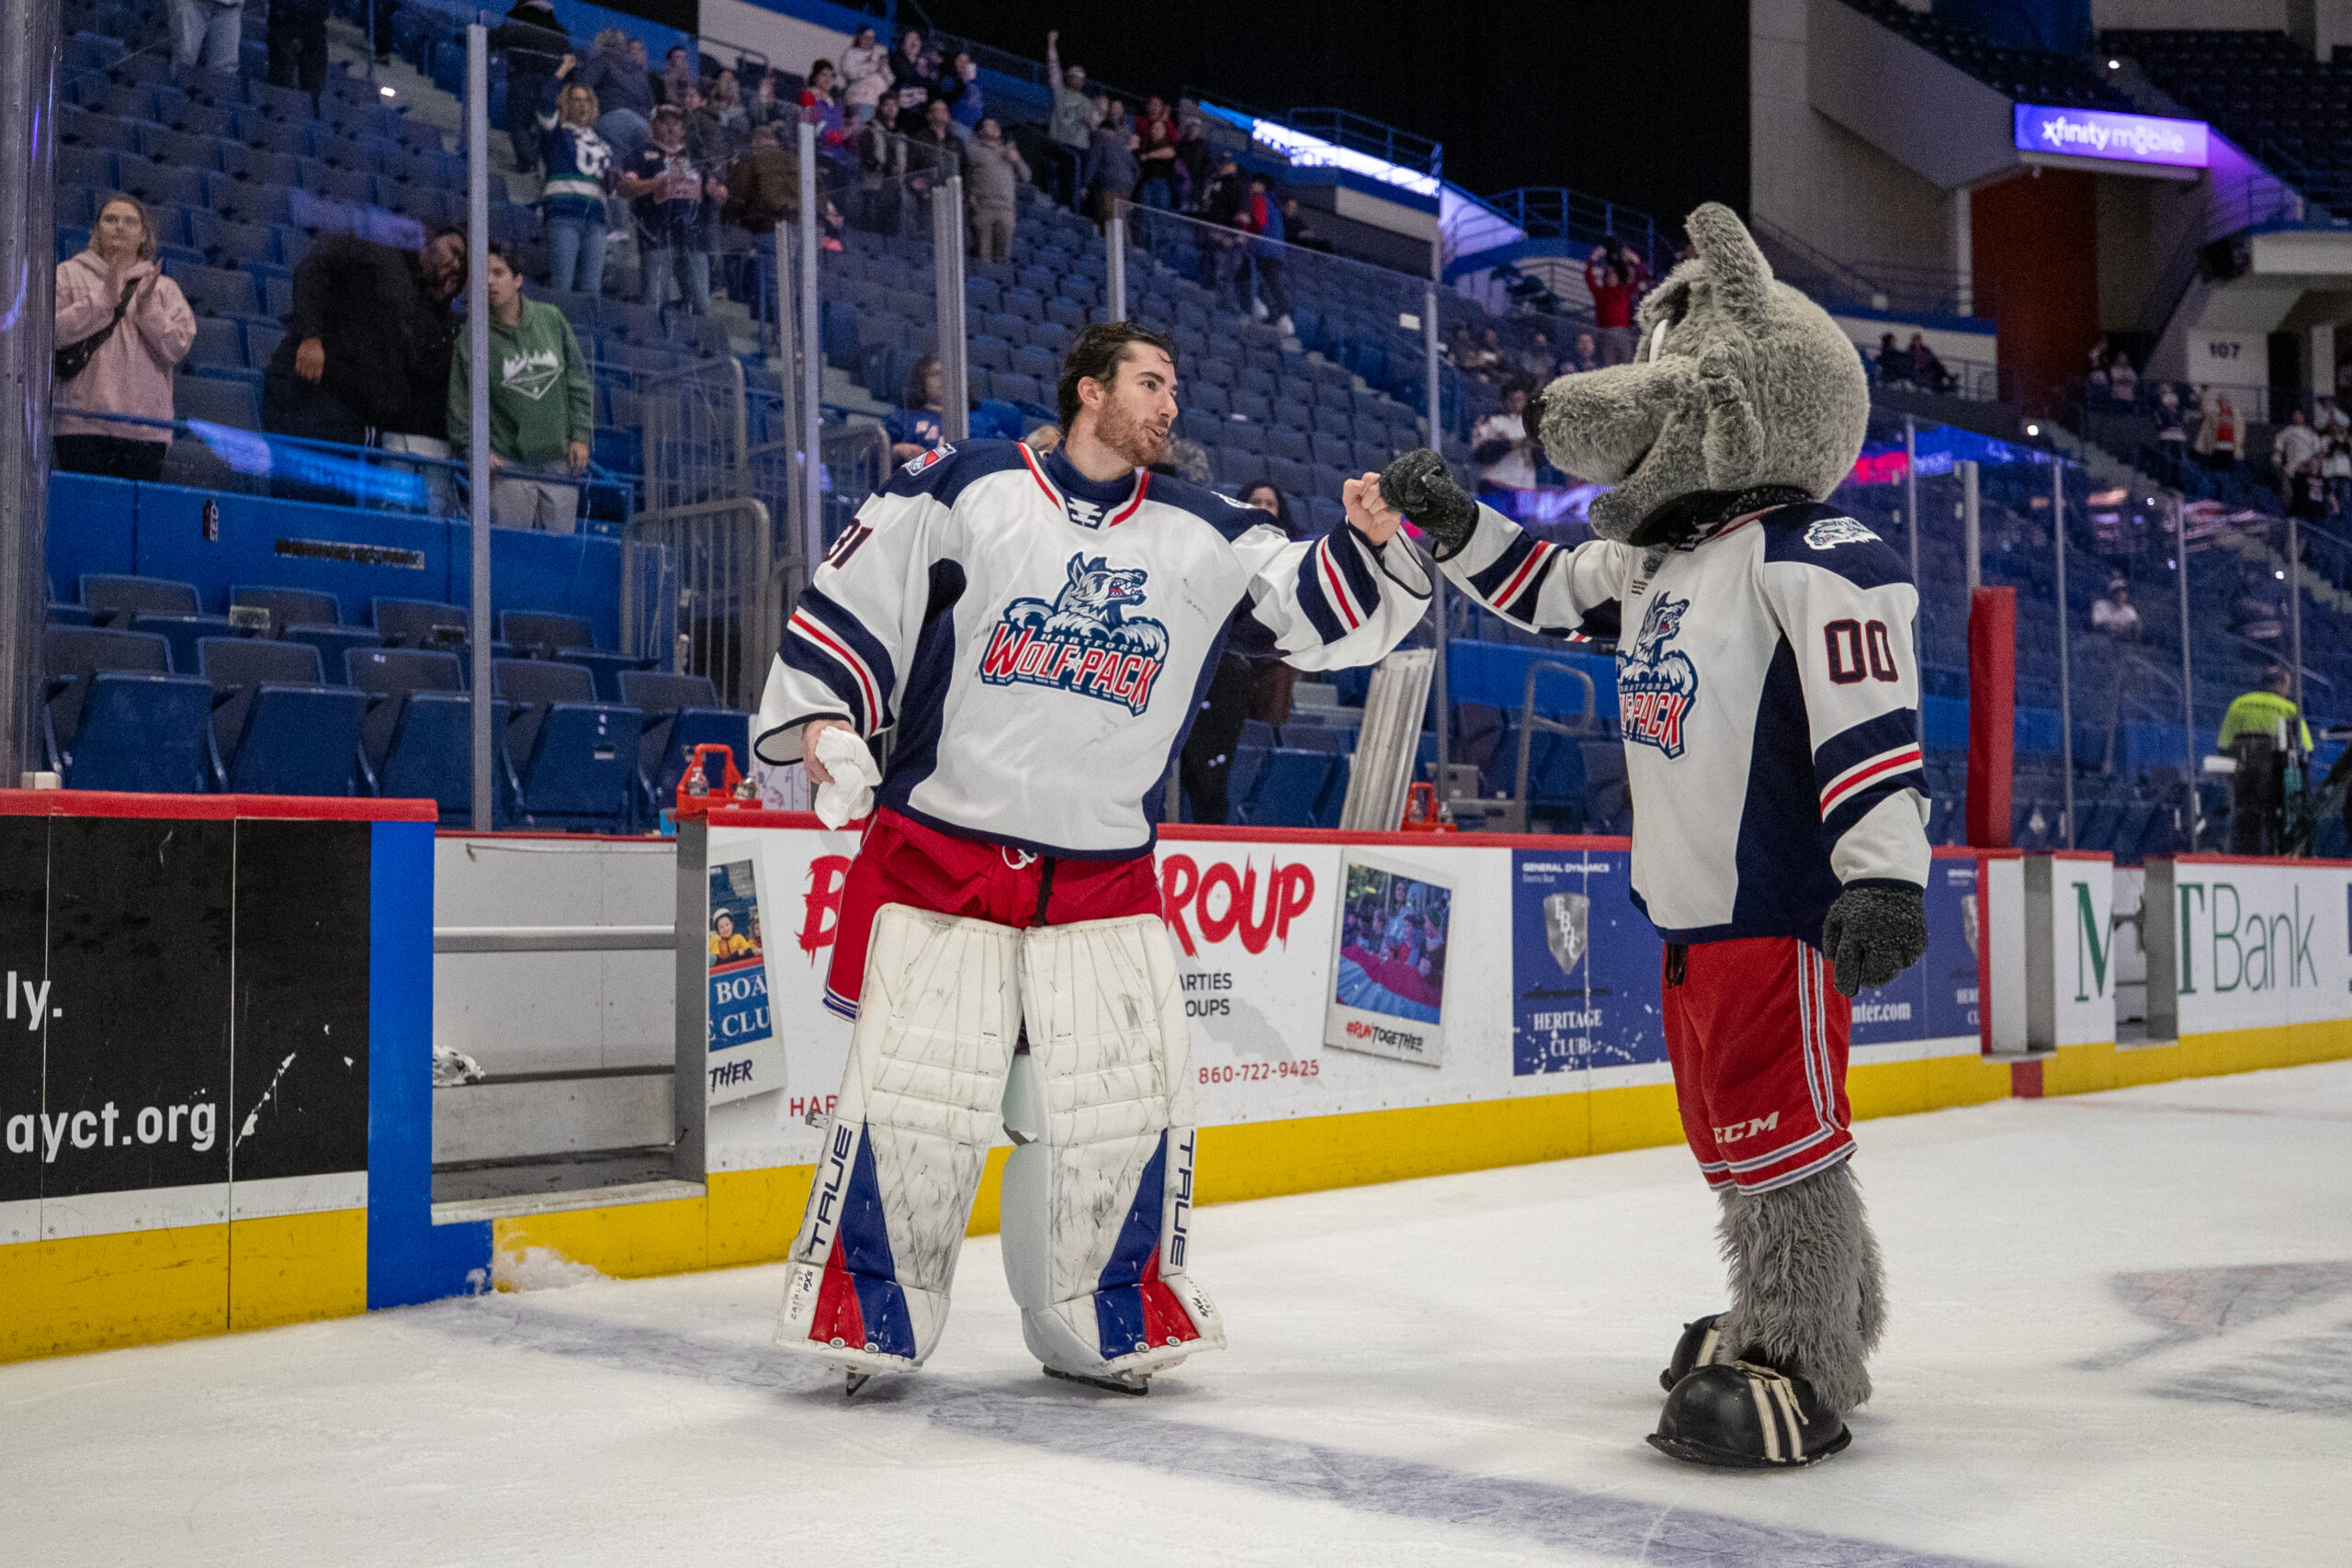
<point>2103,133</point>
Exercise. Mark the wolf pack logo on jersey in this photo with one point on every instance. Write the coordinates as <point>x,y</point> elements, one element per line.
<point>938,454</point>
<point>1083,640</point>
<point>1832,532</point>
<point>1656,684</point>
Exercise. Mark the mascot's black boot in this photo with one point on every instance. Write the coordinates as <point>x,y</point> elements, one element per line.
<point>1702,1345</point>
<point>1746,1416</point>
<point>1767,1384</point>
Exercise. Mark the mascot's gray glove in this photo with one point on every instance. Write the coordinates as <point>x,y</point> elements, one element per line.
<point>1419,485</point>
<point>1875,931</point>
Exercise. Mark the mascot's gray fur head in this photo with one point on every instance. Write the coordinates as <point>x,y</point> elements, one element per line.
<point>1739,382</point>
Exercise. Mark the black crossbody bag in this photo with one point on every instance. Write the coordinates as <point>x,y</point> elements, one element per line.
<point>74,357</point>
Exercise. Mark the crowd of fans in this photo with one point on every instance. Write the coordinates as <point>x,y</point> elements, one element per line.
<point>663,158</point>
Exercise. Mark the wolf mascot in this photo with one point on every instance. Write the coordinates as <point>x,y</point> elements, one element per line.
<point>1767,695</point>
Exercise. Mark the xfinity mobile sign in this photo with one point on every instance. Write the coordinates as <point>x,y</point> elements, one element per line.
<point>2103,133</point>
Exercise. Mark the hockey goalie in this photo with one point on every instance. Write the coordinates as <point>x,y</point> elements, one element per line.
<point>1035,635</point>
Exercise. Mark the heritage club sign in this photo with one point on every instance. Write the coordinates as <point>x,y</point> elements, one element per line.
<point>2118,138</point>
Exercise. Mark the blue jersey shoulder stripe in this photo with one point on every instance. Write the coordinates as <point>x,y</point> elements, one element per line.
<point>944,474</point>
<point>1816,535</point>
<point>1227,516</point>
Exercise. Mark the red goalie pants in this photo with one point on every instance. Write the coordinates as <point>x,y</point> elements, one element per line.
<point>1758,1039</point>
<point>902,862</point>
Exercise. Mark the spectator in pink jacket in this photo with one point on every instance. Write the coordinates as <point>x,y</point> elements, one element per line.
<point>114,291</point>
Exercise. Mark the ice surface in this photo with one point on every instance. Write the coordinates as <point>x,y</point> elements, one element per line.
<point>2121,1334</point>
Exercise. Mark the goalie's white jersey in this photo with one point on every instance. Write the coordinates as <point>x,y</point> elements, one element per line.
<point>1040,642</point>
<point>1767,695</point>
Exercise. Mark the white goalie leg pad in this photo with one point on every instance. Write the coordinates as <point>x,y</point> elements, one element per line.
<point>1098,1204</point>
<point>936,1023</point>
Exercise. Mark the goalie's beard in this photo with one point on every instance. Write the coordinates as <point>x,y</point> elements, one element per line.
<point>1141,445</point>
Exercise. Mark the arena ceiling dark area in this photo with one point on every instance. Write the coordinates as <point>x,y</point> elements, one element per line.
<point>1646,105</point>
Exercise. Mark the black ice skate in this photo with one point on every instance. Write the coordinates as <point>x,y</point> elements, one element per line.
<point>1746,1416</point>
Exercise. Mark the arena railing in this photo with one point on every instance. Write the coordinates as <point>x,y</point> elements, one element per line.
<point>297,468</point>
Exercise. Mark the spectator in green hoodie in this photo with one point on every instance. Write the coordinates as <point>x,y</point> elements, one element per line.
<point>542,410</point>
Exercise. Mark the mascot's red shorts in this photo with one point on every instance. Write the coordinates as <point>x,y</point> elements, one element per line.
<point>902,862</point>
<point>1758,1038</point>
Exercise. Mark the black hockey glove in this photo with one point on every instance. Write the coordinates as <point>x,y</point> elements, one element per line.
<point>1875,931</point>
<point>1419,485</point>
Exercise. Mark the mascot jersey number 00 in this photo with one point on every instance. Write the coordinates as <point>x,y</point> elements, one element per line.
<point>1768,704</point>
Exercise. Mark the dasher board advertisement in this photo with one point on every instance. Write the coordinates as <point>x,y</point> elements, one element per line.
<point>2236,943</point>
<point>1388,985</point>
<point>1510,964</point>
<point>1584,966</point>
<point>745,1058</point>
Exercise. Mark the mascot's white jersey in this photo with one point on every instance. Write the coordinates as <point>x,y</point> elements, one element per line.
<point>1768,694</point>
<point>1041,641</point>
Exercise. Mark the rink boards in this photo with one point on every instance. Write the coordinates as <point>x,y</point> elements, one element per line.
<point>217,1031</point>
<point>1365,1009</point>
<point>1545,1043</point>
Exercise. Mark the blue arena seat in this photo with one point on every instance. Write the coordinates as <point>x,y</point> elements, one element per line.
<point>542,634</point>
<point>417,739</point>
<point>290,607</point>
<point>114,718</point>
<point>113,600</point>
<point>334,643</point>
<point>421,622</point>
<point>217,400</point>
<point>277,728</point>
<point>1289,786</point>
<point>1334,798</point>
<point>681,713</point>
<point>570,760</point>
<point>182,633</point>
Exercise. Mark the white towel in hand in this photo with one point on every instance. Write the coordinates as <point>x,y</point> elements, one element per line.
<point>851,795</point>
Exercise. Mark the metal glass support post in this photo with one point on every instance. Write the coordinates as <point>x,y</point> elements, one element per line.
<point>1115,268</point>
<point>2066,673</point>
<point>2187,678</point>
<point>798,538</point>
<point>782,297</point>
<point>1972,522</point>
<point>947,271</point>
<point>478,394</point>
<point>29,56</point>
<point>1438,607</point>
<point>2295,609</point>
<point>810,477</point>
<point>1911,510</point>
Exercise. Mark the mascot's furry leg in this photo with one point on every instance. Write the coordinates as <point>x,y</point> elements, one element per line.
<point>1808,1294</point>
<point>1768,1384</point>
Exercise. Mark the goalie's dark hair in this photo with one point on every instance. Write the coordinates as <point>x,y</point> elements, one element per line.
<point>1097,354</point>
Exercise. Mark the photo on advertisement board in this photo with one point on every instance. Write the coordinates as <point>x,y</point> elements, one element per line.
<point>745,1056</point>
<point>1388,970</point>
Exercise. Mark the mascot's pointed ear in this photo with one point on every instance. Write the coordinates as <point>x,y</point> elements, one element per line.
<point>1743,278</point>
